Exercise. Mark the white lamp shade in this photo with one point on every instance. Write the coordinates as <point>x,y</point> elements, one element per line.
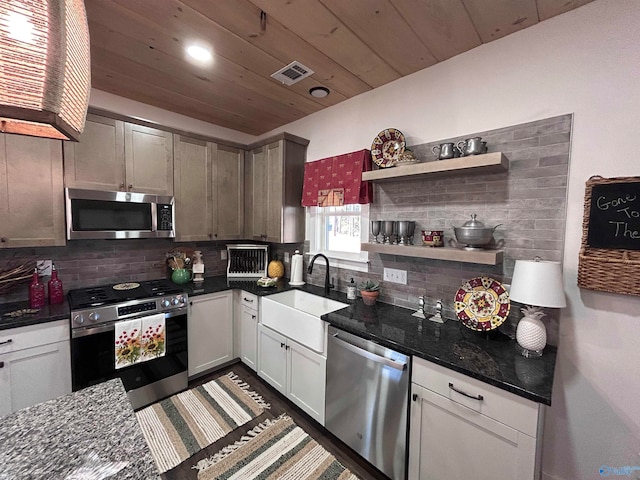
<point>538,283</point>
<point>45,76</point>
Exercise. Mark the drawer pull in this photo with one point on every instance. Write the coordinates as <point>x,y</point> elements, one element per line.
<point>6,341</point>
<point>250,300</point>
<point>415,397</point>
<point>1,364</point>
<point>474,397</point>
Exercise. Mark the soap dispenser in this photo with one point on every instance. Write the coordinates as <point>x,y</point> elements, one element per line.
<point>351,290</point>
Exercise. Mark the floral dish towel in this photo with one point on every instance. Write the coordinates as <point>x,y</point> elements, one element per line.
<point>127,342</point>
<point>153,338</point>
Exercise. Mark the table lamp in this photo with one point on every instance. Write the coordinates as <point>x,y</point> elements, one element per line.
<point>535,284</point>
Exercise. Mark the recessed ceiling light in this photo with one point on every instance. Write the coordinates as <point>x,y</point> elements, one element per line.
<point>199,53</point>
<point>319,92</point>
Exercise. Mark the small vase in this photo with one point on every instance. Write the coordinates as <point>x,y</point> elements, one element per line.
<point>369,298</point>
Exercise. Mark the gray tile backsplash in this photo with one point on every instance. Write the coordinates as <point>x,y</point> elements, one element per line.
<point>528,201</point>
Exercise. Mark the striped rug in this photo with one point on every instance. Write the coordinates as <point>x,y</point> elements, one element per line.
<point>184,424</point>
<point>275,449</point>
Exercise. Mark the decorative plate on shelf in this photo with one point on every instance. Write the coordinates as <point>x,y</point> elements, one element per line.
<point>126,286</point>
<point>482,304</point>
<point>387,147</point>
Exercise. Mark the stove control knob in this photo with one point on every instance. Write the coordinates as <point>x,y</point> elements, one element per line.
<point>165,303</point>
<point>183,300</point>
<point>94,317</point>
<point>78,319</point>
<point>175,301</point>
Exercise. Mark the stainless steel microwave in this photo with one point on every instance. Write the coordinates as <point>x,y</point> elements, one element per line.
<point>95,214</point>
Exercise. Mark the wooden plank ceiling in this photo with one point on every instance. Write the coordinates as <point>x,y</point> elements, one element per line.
<point>138,49</point>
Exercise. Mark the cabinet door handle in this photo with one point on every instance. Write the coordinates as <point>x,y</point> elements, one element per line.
<point>281,345</point>
<point>474,397</point>
<point>130,186</point>
<point>253,316</point>
<point>414,397</point>
<point>122,186</point>
<point>247,299</point>
<point>1,364</point>
<point>287,347</point>
<point>6,341</point>
<point>3,239</point>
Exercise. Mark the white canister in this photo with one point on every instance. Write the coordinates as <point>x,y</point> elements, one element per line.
<point>296,269</point>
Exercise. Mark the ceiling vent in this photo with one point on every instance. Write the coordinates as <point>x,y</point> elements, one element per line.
<point>292,73</point>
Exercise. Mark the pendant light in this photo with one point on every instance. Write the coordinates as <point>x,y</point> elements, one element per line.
<point>45,75</point>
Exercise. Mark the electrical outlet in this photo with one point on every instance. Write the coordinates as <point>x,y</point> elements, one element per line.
<point>44,268</point>
<point>223,254</point>
<point>395,276</point>
<point>286,257</point>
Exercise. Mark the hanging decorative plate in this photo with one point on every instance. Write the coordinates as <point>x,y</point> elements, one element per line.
<point>387,147</point>
<point>126,286</point>
<point>482,304</point>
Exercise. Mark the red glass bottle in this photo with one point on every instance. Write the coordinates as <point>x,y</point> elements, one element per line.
<point>36,291</point>
<point>56,295</point>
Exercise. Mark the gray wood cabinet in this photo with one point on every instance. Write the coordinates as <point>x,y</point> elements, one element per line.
<point>273,191</point>
<point>31,192</point>
<point>115,155</point>
<point>228,193</point>
<point>209,190</point>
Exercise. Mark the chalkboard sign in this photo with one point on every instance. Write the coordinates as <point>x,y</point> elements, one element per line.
<point>614,217</point>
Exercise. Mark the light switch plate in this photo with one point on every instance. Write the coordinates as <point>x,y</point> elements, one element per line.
<point>286,257</point>
<point>223,254</point>
<point>394,275</point>
<point>44,268</point>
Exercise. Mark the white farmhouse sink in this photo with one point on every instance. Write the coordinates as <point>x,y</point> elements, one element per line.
<point>296,314</point>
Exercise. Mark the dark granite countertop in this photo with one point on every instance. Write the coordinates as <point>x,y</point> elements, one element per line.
<point>48,313</point>
<point>52,439</point>
<point>492,358</point>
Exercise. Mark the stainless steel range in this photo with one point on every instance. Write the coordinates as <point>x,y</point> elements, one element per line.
<point>94,315</point>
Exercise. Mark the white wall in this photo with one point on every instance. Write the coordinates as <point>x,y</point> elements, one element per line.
<point>586,62</point>
<point>131,108</point>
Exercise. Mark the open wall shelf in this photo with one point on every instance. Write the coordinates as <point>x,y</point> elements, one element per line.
<point>486,163</point>
<point>484,257</point>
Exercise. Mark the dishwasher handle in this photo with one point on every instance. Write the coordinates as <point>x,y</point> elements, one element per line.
<point>369,355</point>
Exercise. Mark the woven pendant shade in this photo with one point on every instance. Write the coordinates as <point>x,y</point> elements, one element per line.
<point>44,68</point>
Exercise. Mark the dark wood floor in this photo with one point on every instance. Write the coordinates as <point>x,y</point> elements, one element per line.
<point>279,405</point>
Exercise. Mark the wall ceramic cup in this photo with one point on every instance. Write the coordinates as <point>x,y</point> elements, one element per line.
<point>444,151</point>
<point>472,146</point>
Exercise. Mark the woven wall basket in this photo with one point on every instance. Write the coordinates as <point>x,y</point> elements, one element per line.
<point>608,270</point>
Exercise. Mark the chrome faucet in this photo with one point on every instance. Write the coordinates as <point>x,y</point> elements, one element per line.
<point>327,285</point>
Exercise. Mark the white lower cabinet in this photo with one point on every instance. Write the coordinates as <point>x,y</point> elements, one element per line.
<point>294,370</point>
<point>462,428</point>
<point>210,331</point>
<point>247,321</point>
<point>35,365</point>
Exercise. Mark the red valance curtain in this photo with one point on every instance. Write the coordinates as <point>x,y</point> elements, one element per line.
<point>337,181</point>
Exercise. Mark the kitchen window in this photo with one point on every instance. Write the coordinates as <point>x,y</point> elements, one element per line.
<point>338,232</point>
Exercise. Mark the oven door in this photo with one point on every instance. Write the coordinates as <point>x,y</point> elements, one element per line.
<point>93,357</point>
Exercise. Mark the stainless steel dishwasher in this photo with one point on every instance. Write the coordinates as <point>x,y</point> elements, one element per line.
<point>366,400</point>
